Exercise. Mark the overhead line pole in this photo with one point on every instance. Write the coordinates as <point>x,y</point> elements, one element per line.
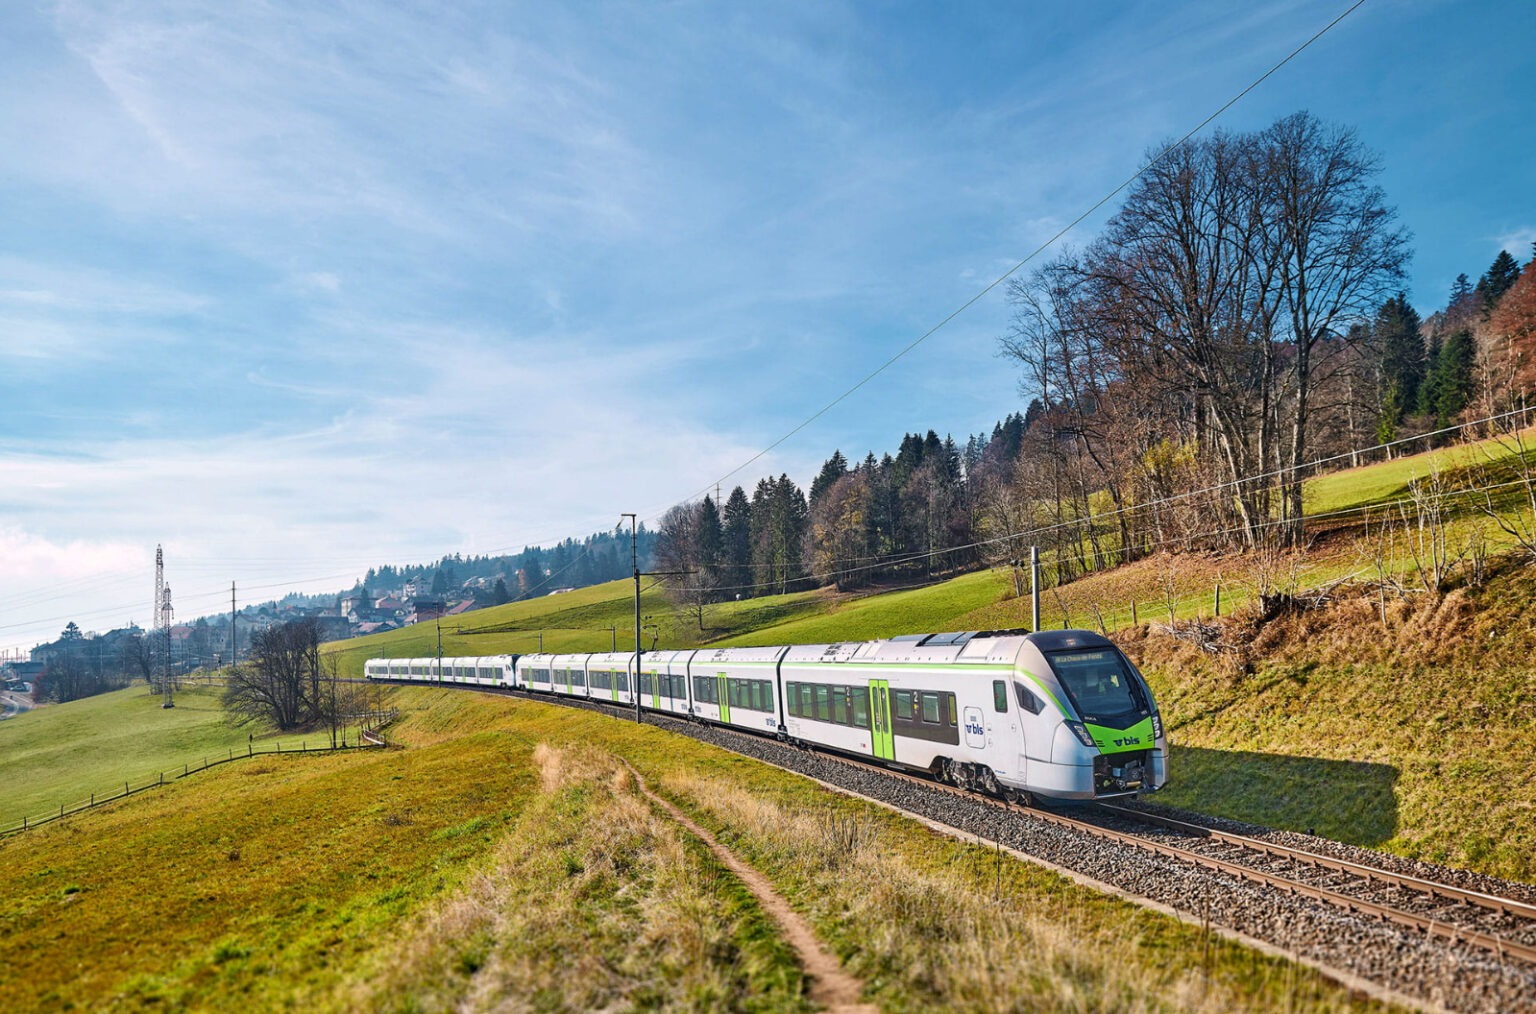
<point>634,560</point>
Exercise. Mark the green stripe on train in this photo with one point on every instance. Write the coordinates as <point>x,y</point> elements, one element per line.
<point>1137,737</point>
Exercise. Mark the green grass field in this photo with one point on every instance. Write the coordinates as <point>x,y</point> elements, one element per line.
<point>64,753</point>
<point>1366,732</point>
<point>504,858</point>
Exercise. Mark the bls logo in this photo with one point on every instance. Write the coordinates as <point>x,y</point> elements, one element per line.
<point>974,729</point>
<point>1128,741</point>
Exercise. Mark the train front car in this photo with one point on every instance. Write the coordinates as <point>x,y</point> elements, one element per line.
<point>1108,736</point>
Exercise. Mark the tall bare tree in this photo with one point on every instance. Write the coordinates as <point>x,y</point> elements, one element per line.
<point>281,680</point>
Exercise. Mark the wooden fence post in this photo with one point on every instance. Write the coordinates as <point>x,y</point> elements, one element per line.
<point>1134,621</point>
<point>1218,597</point>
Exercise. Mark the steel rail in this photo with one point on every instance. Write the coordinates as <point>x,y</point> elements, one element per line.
<point>1431,928</point>
<point>1494,903</point>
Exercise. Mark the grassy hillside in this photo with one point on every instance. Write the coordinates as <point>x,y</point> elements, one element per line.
<point>416,879</point>
<point>1408,735</point>
<point>64,752</point>
<point>1411,735</point>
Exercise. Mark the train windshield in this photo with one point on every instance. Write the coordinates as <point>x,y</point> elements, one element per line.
<point>1100,684</point>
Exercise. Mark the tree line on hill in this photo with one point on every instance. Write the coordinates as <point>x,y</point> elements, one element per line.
<point>537,570</point>
<point>1240,319</point>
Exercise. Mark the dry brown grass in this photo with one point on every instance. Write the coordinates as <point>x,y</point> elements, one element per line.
<point>1405,727</point>
<point>934,924</point>
<point>593,902</point>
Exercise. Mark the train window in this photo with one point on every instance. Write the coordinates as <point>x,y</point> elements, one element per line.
<point>999,695</point>
<point>861,707</point>
<point>824,704</point>
<point>680,687</point>
<point>792,698</point>
<point>952,711</point>
<point>767,696</point>
<point>623,682</point>
<point>806,709</point>
<point>904,711</point>
<point>840,705</point>
<point>931,708</point>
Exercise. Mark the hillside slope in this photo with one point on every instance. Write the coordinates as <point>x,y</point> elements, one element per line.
<point>503,857</point>
<point>1410,733</point>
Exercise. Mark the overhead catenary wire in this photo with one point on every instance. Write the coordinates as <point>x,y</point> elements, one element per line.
<point>1026,260</point>
<point>1034,532</point>
<point>902,353</point>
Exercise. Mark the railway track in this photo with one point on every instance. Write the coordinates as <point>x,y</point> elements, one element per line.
<point>1503,926</point>
<point>1415,939</point>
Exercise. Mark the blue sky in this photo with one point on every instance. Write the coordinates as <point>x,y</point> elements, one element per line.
<point>295,288</point>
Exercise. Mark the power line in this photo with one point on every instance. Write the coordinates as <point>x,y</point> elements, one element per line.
<point>916,556</point>
<point>1092,209</point>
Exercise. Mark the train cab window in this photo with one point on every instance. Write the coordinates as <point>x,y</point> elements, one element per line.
<point>1027,699</point>
<point>1000,696</point>
<point>931,708</point>
<point>904,709</point>
<point>861,707</point>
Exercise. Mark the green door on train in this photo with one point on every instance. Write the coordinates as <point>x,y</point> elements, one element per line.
<point>882,737</point>
<point>725,698</point>
<point>655,690</point>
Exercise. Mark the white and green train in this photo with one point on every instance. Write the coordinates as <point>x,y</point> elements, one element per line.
<point>1055,714</point>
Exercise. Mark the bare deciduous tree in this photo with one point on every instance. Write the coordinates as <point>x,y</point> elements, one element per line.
<point>281,680</point>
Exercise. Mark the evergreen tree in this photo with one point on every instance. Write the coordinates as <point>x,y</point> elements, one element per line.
<point>711,542</point>
<point>1503,273</point>
<point>1396,333</point>
<point>835,468</point>
<point>1449,387</point>
<point>1393,408</point>
<point>499,594</point>
<point>736,543</point>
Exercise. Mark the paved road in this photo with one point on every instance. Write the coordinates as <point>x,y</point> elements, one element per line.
<point>13,704</point>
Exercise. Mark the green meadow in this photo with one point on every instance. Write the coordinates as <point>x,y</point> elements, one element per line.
<point>500,854</point>
<point>65,753</point>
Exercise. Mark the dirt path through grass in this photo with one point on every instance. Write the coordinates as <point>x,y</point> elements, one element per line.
<point>830,986</point>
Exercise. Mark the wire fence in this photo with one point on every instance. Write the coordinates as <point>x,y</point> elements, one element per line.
<point>369,737</point>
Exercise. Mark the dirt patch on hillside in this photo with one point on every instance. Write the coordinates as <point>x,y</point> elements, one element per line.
<point>830,986</point>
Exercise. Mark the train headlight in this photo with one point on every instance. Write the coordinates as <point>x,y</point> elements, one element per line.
<point>1081,732</point>
<point>1157,726</point>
